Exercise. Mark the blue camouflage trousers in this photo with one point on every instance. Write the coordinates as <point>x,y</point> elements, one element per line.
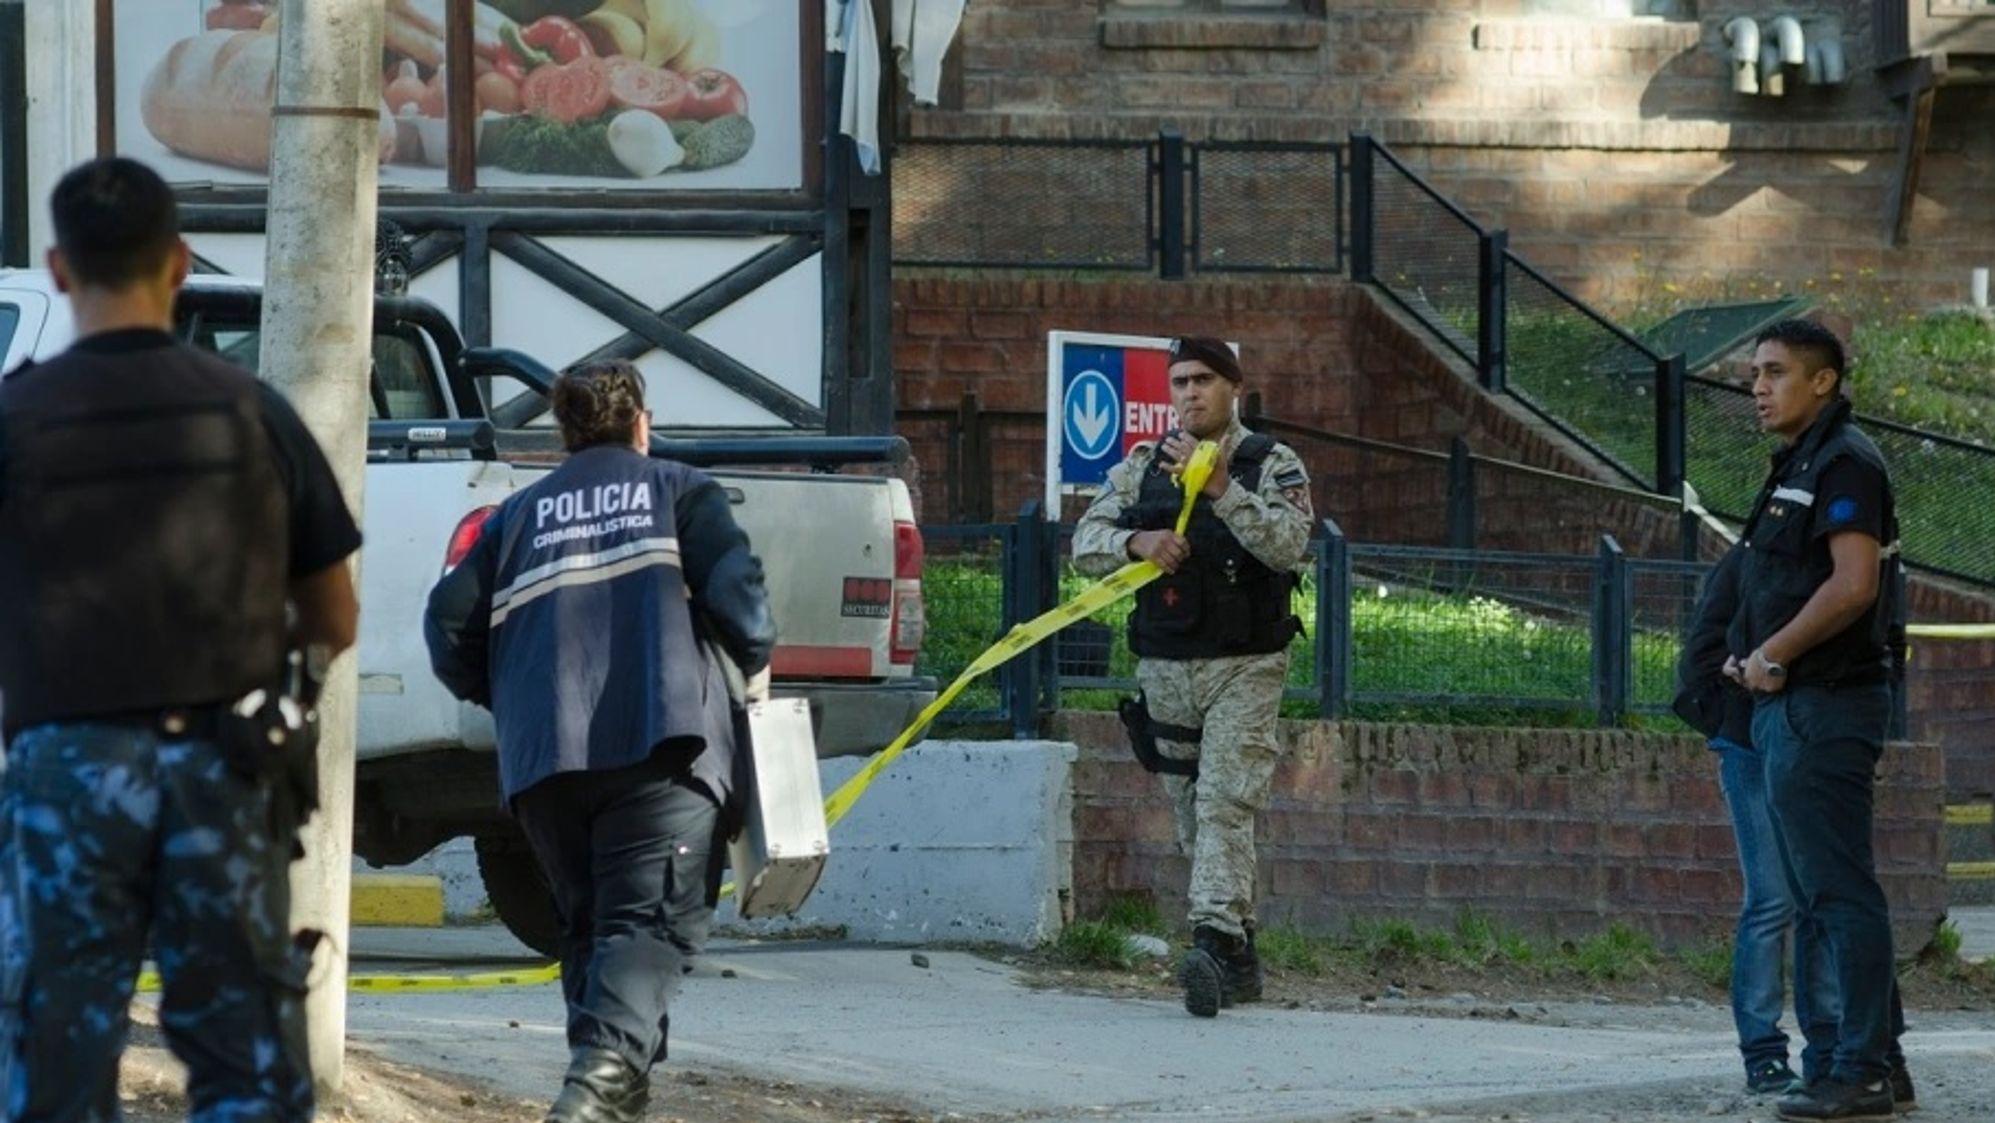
<point>110,834</point>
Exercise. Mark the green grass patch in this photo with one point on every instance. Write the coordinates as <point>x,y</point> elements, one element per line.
<point>1475,943</point>
<point>1435,646</point>
<point>1093,943</point>
<point>1946,943</point>
<point>1712,963</point>
<point>1136,914</point>
<point>1617,954</point>
<point>1291,951</point>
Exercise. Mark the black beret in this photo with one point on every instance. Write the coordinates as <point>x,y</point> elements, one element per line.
<point>1213,353</point>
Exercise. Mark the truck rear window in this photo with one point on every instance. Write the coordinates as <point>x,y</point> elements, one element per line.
<point>10,319</point>
<point>402,387</point>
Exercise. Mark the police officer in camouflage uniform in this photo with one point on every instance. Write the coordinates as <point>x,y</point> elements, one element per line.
<point>160,515</point>
<point>1213,637</point>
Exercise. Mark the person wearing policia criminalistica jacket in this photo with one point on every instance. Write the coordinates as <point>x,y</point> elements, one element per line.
<point>587,618</point>
<point>1817,637</point>
<point>1212,637</point>
<point>161,512</point>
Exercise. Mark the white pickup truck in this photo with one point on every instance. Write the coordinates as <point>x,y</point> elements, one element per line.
<point>841,551</point>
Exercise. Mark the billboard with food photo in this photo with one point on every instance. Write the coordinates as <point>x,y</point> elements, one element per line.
<point>641,94</point>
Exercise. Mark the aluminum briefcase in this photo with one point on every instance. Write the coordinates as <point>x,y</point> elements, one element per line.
<point>779,854</point>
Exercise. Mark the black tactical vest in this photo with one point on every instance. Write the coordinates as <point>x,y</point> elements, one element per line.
<point>144,548</point>
<point>1223,601</point>
<point>1784,564</point>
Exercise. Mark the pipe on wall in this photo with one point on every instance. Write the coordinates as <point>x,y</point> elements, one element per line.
<point>1828,65</point>
<point>1785,32</point>
<point>1743,34</point>
<point>1772,75</point>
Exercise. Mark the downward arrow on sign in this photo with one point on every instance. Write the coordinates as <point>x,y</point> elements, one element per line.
<point>1092,418</point>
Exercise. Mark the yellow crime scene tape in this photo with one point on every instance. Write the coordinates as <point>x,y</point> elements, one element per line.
<point>1022,638</point>
<point>1950,631</point>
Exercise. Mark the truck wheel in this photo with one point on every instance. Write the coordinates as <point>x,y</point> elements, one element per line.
<point>519,894</point>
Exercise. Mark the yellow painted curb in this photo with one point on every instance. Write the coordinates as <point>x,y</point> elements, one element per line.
<point>397,900</point>
<point>1970,815</point>
<point>1971,871</point>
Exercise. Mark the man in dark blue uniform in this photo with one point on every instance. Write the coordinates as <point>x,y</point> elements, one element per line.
<point>1723,711</point>
<point>1816,636</point>
<point>587,617</point>
<point>160,511</point>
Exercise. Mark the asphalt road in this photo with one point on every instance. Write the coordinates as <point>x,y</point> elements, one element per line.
<point>963,1035</point>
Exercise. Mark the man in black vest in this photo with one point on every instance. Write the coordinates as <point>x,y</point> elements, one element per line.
<point>1213,637</point>
<point>587,618</point>
<point>159,511</point>
<point>1718,708</point>
<point>1815,640</point>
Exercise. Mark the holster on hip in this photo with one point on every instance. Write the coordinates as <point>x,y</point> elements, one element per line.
<point>1143,734</point>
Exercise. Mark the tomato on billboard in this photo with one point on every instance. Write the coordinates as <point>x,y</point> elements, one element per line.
<point>636,94</point>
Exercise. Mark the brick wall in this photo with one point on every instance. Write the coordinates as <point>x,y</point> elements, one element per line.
<point>1591,140</point>
<point>989,336</point>
<point>1336,356</point>
<point>1553,832</point>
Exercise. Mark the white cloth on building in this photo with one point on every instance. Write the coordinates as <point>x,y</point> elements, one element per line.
<point>921,33</point>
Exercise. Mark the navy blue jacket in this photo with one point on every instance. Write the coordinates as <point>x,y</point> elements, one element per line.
<point>1713,704</point>
<point>578,617</point>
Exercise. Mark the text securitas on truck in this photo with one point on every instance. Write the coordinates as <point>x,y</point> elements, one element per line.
<point>841,552</point>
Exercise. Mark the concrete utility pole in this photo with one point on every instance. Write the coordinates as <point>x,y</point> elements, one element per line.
<point>317,346</point>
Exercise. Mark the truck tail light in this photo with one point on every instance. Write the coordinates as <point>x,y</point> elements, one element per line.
<point>909,624</point>
<point>466,536</point>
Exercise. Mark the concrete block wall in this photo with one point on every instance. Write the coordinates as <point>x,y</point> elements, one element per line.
<point>957,841</point>
<point>1553,832</point>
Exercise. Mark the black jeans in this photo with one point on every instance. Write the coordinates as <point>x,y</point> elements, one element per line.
<point>635,861</point>
<point>1821,746</point>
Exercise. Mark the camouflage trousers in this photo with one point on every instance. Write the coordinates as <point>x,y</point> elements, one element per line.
<point>110,834</point>
<point>1236,702</point>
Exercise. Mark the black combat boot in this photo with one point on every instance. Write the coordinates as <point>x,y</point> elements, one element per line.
<point>1204,970</point>
<point>1831,1099</point>
<point>1244,977</point>
<point>600,1087</point>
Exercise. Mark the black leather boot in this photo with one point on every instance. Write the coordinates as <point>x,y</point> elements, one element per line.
<point>1244,977</point>
<point>1203,972</point>
<point>600,1087</point>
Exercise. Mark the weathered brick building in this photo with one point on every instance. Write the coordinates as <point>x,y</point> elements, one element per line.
<point>1605,135</point>
<point>1593,134</point>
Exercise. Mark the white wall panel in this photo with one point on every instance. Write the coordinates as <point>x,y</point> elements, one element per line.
<point>777,330</point>
<point>659,272</point>
<point>682,397</point>
<point>438,285</point>
<point>531,314</point>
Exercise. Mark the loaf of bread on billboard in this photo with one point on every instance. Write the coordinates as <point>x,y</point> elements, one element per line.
<point>210,98</point>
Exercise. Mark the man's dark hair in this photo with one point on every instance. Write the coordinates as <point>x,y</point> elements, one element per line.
<point>115,222</point>
<point>1809,338</point>
<point>598,403</point>
<point>1212,352</point>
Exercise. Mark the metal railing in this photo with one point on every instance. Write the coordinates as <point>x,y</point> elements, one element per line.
<point>1389,632</point>
<point>1525,334</point>
<point>1940,483</point>
<point>1638,410</point>
<point>1166,206</point>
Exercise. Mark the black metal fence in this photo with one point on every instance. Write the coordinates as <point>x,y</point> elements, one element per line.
<point>1166,205</point>
<point>1635,408</point>
<point>1390,632</point>
<point>1524,334</point>
<point>1942,484</point>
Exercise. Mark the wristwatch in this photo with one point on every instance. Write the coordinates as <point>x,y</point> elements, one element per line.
<point>1773,669</point>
